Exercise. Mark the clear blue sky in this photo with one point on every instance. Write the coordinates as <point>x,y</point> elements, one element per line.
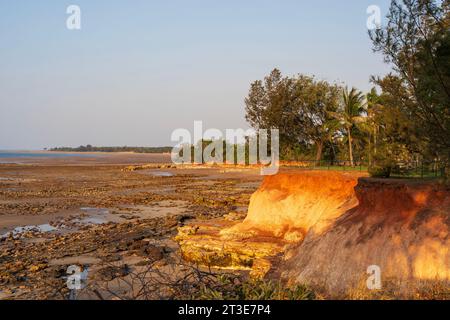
<point>137,70</point>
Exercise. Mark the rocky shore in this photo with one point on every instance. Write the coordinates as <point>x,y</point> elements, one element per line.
<point>110,221</point>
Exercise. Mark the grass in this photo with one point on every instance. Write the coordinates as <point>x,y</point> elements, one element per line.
<point>414,174</point>
<point>401,290</point>
<point>231,288</point>
<point>333,168</point>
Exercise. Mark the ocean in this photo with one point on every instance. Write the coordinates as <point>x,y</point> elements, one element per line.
<point>31,154</point>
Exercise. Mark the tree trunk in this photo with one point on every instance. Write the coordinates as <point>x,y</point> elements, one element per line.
<point>375,141</point>
<point>319,145</point>
<point>370,149</point>
<point>350,148</point>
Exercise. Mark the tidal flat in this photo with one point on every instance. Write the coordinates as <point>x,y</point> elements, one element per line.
<point>91,212</point>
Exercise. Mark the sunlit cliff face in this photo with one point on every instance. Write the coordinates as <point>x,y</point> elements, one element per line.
<point>418,215</point>
<point>399,225</point>
<point>290,205</point>
<point>339,224</point>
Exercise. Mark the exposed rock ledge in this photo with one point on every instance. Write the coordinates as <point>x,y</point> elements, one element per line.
<point>329,227</point>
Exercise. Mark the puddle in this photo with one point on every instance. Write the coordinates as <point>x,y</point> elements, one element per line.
<point>89,210</point>
<point>96,216</point>
<point>161,174</point>
<point>17,180</point>
<point>35,228</point>
<point>92,217</point>
<point>89,216</point>
<point>92,220</point>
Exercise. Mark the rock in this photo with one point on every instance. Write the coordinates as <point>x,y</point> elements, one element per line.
<point>36,268</point>
<point>143,263</point>
<point>187,230</point>
<point>235,216</point>
<point>171,222</point>
<point>260,268</point>
<point>112,272</point>
<point>205,245</point>
<point>112,258</point>
<point>122,246</point>
<point>183,217</point>
<point>152,252</point>
<point>136,245</point>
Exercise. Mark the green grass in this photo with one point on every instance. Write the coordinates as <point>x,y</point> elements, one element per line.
<point>415,174</point>
<point>227,288</point>
<point>333,168</point>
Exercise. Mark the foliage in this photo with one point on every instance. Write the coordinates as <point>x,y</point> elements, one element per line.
<point>351,113</point>
<point>407,121</point>
<point>227,288</point>
<point>382,170</point>
<point>298,106</point>
<point>416,41</point>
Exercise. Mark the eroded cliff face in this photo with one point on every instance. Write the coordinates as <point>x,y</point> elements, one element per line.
<point>330,227</point>
<point>290,205</point>
<point>400,226</point>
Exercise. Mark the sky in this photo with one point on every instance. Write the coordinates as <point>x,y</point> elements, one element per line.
<point>139,69</point>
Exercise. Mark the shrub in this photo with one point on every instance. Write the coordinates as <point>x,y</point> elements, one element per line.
<point>379,171</point>
<point>381,167</point>
<point>227,288</point>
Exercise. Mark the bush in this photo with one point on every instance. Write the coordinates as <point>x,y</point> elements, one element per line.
<point>382,170</point>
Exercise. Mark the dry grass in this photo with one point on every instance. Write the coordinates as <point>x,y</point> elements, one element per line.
<point>401,290</point>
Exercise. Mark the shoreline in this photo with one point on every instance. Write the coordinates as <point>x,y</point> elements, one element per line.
<point>60,212</point>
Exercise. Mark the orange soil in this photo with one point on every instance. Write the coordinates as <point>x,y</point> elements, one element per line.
<point>335,225</point>
<point>399,225</point>
<point>288,205</point>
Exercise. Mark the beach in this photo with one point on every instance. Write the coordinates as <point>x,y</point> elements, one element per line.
<point>88,210</point>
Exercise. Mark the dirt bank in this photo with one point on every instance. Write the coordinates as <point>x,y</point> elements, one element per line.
<point>289,205</point>
<point>330,227</point>
<point>284,209</point>
<point>399,225</point>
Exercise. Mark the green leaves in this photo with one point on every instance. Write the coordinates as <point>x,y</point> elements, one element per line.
<point>298,106</point>
<point>251,289</point>
<point>416,40</point>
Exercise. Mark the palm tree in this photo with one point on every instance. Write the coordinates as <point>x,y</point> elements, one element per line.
<point>351,113</point>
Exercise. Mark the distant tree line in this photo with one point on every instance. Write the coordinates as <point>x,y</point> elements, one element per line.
<point>89,148</point>
<point>405,117</point>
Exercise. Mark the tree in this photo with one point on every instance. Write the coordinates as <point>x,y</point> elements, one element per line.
<point>416,41</point>
<point>394,136</point>
<point>298,106</point>
<point>269,106</point>
<point>371,125</point>
<point>351,113</point>
<point>314,100</point>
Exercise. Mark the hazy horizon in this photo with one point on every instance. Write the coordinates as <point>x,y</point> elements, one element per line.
<point>138,70</point>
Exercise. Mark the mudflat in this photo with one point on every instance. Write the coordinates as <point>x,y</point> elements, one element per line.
<point>94,212</point>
